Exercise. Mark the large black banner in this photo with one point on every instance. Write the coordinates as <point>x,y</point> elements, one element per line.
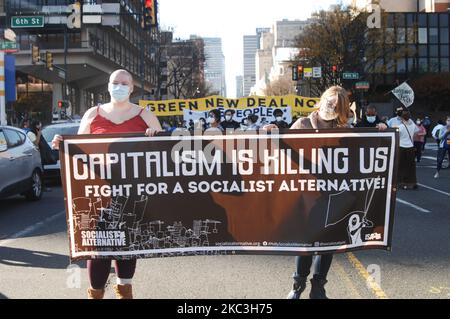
<point>298,192</point>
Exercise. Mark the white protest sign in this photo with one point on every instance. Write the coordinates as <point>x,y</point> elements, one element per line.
<point>405,94</point>
<point>265,114</point>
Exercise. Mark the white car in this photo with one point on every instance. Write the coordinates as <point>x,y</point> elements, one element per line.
<point>48,132</point>
<point>20,165</point>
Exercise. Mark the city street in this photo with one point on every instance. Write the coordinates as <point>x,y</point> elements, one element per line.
<point>34,256</point>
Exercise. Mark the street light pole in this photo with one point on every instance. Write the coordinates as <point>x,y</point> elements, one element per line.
<point>65,68</point>
<point>142,68</point>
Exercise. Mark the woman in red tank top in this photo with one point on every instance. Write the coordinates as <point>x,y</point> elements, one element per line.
<point>118,116</point>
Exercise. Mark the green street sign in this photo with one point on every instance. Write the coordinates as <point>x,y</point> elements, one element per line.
<point>8,45</point>
<point>350,76</point>
<point>27,22</point>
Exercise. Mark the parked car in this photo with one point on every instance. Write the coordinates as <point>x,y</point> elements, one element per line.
<point>20,165</point>
<point>48,132</point>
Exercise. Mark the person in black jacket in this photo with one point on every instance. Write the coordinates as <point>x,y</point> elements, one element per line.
<point>370,118</point>
<point>279,122</point>
<point>229,123</point>
<point>45,151</point>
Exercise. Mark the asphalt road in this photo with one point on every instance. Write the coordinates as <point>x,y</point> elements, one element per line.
<point>34,257</point>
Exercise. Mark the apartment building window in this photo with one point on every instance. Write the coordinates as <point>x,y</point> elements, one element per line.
<point>411,51</point>
<point>423,50</point>
<point>433,37</point>
<point>410,20</point>
<point>433,20</point>
<point>423,65</point>
<point>444,35</point>
<point>390,35</point>
<point>444,64</point>
<point>422,20</point>
<point>434,50</point>
<point>423,38</point>
<point>411,35</point>
<point>443,20</point>
<point>434,65</point>
<point>401,66</point>
<point>411,65</point>
<point>401,35</point>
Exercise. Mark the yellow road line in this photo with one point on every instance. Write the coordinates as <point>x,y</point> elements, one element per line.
<point>376,289</point>
<point>348,282</point>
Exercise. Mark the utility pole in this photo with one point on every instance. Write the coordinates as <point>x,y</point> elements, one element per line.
<point>65,67</point>
<point>2,90</point>
<point>142,68</point>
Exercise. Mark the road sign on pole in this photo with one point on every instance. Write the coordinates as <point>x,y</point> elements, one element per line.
<point>308,72</point>
<point>363,85</point>
<point>317,72</point>
<point>27,22</point>
<point>350,76</point>
<point>8,46</point>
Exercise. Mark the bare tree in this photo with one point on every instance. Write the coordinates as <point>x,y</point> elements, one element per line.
<point>340,37</point>
<point>185,66</point>
<point>281,86</point>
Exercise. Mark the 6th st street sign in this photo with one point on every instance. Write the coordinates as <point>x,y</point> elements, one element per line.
<point>27,22</point>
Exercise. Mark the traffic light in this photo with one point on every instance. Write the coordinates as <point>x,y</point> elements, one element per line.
<point>35,54</point>
<point>294,73</point>
<point>49,60</point>
<point>149,14</point>
<point>299,72</point>
<point>63,104</point>
<point>334,68</point>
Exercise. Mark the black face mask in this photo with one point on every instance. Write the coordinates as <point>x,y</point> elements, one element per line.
<point>406,117</point>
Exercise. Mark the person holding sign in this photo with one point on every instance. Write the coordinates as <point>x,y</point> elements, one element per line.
<point>118,116</point>
<point>334,110</point>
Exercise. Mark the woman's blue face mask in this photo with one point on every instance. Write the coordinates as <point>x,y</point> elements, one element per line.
<point>119,92</point>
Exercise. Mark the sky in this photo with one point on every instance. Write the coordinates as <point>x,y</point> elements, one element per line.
<point>231,20</point>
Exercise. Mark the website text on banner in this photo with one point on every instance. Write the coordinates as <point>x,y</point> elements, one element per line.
<point>300,192</point>
<point>300,105</point>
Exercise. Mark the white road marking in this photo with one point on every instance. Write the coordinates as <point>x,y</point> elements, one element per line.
<point>31,229</point>
<point>423,210</point>
<point>434,189</point>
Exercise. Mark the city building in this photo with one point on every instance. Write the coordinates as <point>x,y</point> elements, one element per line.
<point>426,35</point>
<point>239,86</point>
<point>215,65</point>
<point>264,58</point>
<point>250,47</point>
<point>407,5</point>
<point>286,31</point>
<point>82,66</point>
<point>277,50</point>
